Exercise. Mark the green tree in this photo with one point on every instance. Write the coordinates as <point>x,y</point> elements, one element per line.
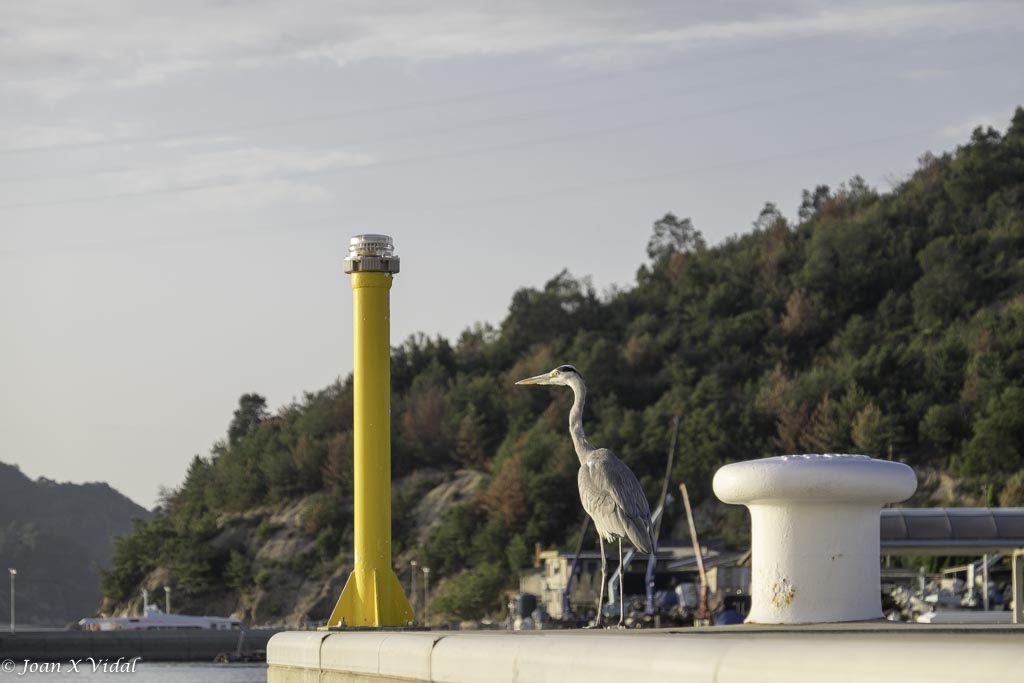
<point>948,282</point>
<point>942,426</point>
<point>998,440</point>
<point>135,555</point>
<point>471,594</point>
<point>252,409</point>
<point>825,432</point>
<point>238,573</point>
<point>872,432</point>
<point>812,202</point>
<point>672,235</point>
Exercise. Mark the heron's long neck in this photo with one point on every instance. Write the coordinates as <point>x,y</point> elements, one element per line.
<point>579,437</point>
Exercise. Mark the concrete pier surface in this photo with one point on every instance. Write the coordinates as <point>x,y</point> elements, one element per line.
<point>151,646</point>
<point>838,653</point>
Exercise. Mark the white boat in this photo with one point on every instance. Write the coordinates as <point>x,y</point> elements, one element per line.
<point>965,616</point>
<point>153,619</point>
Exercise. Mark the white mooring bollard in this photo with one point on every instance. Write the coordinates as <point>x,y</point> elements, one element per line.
<point>814,533</point>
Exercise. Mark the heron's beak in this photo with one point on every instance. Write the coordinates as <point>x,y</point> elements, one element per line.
<point>538,379</point>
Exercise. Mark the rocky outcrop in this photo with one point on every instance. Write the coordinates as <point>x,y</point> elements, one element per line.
<point>288,582</point>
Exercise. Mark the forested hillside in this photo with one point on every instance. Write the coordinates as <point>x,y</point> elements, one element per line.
<point>887,323</point>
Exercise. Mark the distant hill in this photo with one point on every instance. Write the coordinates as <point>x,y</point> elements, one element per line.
<point>55,535</point>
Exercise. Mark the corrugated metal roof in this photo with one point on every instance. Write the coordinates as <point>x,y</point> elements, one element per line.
<point>951,530</point>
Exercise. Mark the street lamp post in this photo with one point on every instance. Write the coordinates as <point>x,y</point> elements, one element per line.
<point>14,572</point>
<point>412,586</point>
<point>167,599</point>
<point>426,596</point>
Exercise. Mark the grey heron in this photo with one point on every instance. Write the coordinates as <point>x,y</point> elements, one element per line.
<point>609,490</point>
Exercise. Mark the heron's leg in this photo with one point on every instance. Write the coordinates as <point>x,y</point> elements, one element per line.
<point>622,588</point>
<point>604,576</point>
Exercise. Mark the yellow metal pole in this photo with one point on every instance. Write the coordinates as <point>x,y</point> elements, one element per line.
<point>372,595</point>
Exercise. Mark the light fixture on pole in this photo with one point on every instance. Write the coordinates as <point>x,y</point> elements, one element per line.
<point>14,572</point>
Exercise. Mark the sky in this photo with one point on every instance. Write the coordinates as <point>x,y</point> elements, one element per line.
<point>179,180</point>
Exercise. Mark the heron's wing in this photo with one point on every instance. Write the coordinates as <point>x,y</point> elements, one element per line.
<point>612,496</point>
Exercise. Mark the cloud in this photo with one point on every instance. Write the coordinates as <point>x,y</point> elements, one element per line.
<point>239,178</point>
<point>31,136</point>
<point>243,178</point>
<point>778,22</point>
<point>54,48</point>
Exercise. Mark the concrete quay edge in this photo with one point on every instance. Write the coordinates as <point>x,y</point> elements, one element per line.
<point>864,651</point>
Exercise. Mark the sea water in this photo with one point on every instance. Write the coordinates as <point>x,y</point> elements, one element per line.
<point>141,672</point>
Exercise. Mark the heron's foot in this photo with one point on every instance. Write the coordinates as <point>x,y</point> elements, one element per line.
<point>596,623</point>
